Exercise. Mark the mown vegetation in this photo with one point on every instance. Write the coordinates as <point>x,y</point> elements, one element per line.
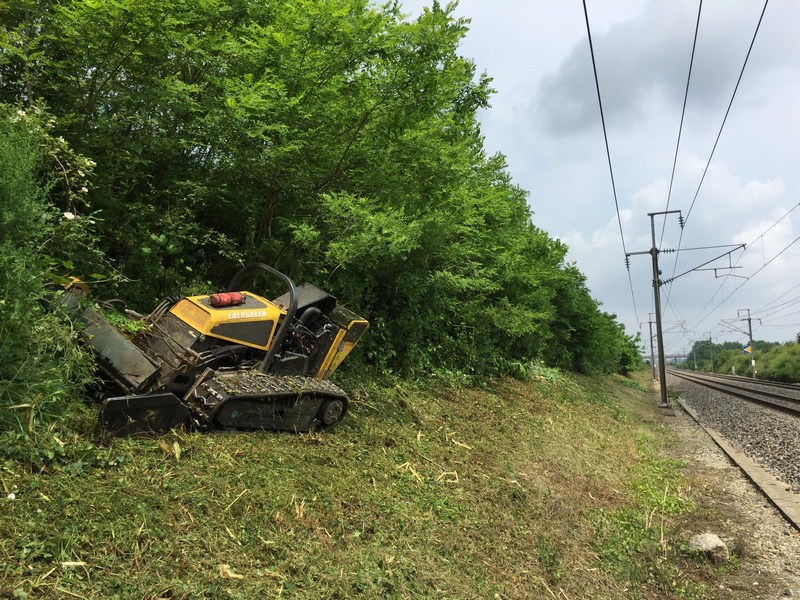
<point>774,361</point>
<point>558,487</point>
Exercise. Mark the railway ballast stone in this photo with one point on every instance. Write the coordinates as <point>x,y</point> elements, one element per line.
<point>765,546</point>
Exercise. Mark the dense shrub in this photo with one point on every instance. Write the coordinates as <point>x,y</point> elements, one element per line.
<point>41,368</point>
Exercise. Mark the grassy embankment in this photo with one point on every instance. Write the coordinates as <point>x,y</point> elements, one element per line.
<point>558,487</point>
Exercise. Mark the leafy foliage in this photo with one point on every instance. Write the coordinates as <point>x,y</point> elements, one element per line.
<point>775,361</point>
<point>782,363</point>
<point>40,365</point>
<point>333,139</point>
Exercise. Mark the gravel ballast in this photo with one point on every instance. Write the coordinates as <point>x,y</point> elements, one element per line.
<point>766,545</point>
<point>769,437</point>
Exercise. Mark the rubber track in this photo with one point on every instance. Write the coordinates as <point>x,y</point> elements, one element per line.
<point>211,395</point>
<point>255,383</point>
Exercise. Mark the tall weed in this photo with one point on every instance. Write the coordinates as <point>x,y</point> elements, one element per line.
<point>41,368</point>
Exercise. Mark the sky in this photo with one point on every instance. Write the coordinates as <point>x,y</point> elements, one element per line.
<point>545,118</point>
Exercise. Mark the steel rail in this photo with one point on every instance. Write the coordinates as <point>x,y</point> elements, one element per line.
<point>786,502</point>
<point>745,380</point>
<point>780,402</point>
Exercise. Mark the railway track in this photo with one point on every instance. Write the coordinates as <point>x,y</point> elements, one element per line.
<point>741,379</point>
<point>779,396</point>
<point>756,424</point>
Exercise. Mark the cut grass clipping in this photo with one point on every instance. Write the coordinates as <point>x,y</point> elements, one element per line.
<point>555,487</point>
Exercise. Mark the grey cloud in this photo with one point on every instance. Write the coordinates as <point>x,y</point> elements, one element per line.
<point>643,66</point>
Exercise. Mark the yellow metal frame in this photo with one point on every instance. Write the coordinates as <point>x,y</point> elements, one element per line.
<point>339,350</point>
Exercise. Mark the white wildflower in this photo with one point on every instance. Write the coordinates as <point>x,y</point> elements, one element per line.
<point>69,216</point>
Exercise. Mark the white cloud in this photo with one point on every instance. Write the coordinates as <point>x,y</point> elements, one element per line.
<point>545,119</point>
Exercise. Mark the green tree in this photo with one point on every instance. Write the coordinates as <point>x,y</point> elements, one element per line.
<point>333,139</point>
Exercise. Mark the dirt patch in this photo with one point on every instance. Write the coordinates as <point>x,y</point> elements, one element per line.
<point>765,546</point>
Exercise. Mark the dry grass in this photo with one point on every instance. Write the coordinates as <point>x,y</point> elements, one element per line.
<point>552,488</point>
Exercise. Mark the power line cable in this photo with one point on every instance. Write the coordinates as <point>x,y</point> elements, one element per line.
<point>727,112</point>
<point>768,305</point>
<point>782,326</point>
<point>608,152</point>
<point>699,318</point>
<point>769,312</point>
<point>680,127</point>
<point>787,315</point>
<point>719,133</point>
<point>764,266</point>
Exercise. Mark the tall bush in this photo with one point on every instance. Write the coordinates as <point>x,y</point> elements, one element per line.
<point>41,368</point>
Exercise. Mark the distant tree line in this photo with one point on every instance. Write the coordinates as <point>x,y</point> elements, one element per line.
<point>167,142</point>
<point>774,360</point>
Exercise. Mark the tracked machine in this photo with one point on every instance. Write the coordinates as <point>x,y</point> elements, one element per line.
<point>224,362</point>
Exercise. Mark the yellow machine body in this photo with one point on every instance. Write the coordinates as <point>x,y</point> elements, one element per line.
<point>352,328</point>
<point>241,363</point>
<point>251,323</point>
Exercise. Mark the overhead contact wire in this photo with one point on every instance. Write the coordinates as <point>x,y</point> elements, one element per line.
<point>677,148</point>
<point>680,127</point>
<point>727,112</point>
<point>760,236</point>
<point>608,153</point>
<point>719,135</point>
